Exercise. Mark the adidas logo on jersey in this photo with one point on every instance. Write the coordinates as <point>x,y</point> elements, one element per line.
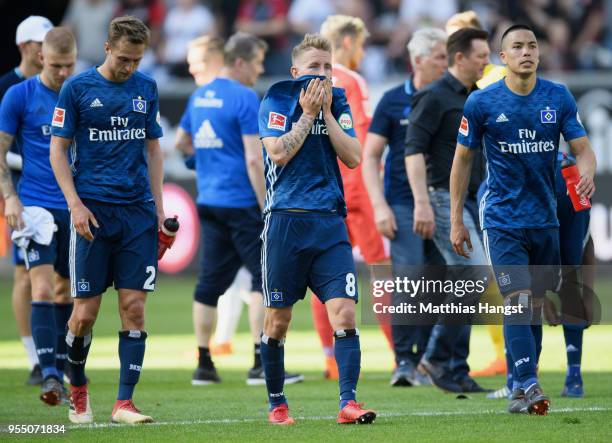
<point>501,118</point>
<point>96,103</point>
<point>206,137</point>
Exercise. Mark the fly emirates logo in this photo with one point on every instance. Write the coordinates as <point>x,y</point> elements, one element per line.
<point>119,131</point>
<point>527,144</point>
<point>318,127</point>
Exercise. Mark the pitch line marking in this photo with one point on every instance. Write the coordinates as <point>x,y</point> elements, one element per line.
<point>331,417</point>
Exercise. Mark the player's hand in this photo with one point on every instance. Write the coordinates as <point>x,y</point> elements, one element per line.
<point>424,221</point>
<point>385,221</point>
<point>586,186</point>
<point>327,98</point>
<point>311,98</point>
<point>550,313</point>
<point>81,217</point>
<point>161,217</point>
<point>458,236</point>
<point>12,211</point>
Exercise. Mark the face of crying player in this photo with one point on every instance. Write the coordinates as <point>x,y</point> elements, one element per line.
<point>312,62</point>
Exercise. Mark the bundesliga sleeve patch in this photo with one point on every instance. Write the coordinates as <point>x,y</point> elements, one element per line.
<point>59,115</point>
<point>464,127</point>
<point>345,121</point>
<point>277,121</point>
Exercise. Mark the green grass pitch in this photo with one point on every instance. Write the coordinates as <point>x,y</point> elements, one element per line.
<point>232,411</point>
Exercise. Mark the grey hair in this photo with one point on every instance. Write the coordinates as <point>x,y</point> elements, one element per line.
<point>423,41</point>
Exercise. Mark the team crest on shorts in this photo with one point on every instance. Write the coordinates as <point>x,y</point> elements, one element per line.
<point>503,279</point>
<point>33,255</point>
<point>548,115</point>
<point>83,286</point>
<point>139,105</point>
<point>276,296</point>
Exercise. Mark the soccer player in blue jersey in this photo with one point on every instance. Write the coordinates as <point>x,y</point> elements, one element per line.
<point>38,213</point>
<point>306,126</point>
<point>520,118</point>
<point>29,36</point>
<point>109,117</point>
<point>394,208</point>
<point>220,126</point>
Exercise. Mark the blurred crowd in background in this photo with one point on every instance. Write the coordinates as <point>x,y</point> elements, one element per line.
<point>573,34</point>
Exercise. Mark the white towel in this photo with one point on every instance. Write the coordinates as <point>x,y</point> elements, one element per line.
<point>39,226</point>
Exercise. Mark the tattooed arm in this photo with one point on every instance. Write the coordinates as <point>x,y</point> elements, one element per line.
<point>13,207</point>
<point>282,149</point>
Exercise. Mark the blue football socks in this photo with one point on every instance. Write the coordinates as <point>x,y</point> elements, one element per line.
<point>44,333</point>
<point>62,315</point>
<point>78,348</point>
<point>131,356</point>
<point>348,358</point>
<point>273,360</point>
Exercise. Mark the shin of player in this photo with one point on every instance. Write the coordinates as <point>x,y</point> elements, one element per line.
<point>39,215</point>
<point>109,113</point>
<point>305,126</point>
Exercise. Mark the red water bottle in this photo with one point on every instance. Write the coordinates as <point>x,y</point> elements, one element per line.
<point>572,177</point>
<point>166,235</point>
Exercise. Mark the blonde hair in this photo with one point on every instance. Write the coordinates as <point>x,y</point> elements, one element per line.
<point>465,19</point>
<point>60,40</point>
<point>336,27</point>
<point>311,41</point>
<point>209,43</point>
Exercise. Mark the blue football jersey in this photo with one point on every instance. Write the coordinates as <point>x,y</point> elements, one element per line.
<point>390,120</point>
<point>521,140</point>
<point>218,114</point>
<point>311,180</point>
<point>109,123</point>
<point>26,113</point>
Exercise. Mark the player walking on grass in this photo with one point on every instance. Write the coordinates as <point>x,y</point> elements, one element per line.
<point>305,126</point>
<point>520,118</point>
<point>29,36</point>
<point>38,214</point>
<point>347,36</point>
<point>109,117</point>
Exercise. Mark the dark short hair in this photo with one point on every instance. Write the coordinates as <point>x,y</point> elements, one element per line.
<point>461,41</point>
<point>516,27</point>
<point>244,46</point>
<point>130,27</point>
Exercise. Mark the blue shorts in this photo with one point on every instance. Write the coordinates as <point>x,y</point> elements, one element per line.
<point>56,252</point>
<point>230,239</point>
<point>524,259</point>
<point>123,250</point>
<point>573,231</point>
<point>18,256</point>
<point>306,249</point>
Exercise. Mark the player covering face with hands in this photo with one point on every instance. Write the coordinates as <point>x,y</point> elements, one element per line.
<point>306,126</point>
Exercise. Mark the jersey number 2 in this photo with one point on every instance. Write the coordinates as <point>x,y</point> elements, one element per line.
<point>148,284</point>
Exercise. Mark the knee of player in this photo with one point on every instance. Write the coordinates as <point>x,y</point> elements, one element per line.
<point>133,311</point>
<point>276,323</point>
<point>84,320</point>
<point>42,291</point>
<point>519,307</point>
<point>62,291</point>
<point>343,317</point>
